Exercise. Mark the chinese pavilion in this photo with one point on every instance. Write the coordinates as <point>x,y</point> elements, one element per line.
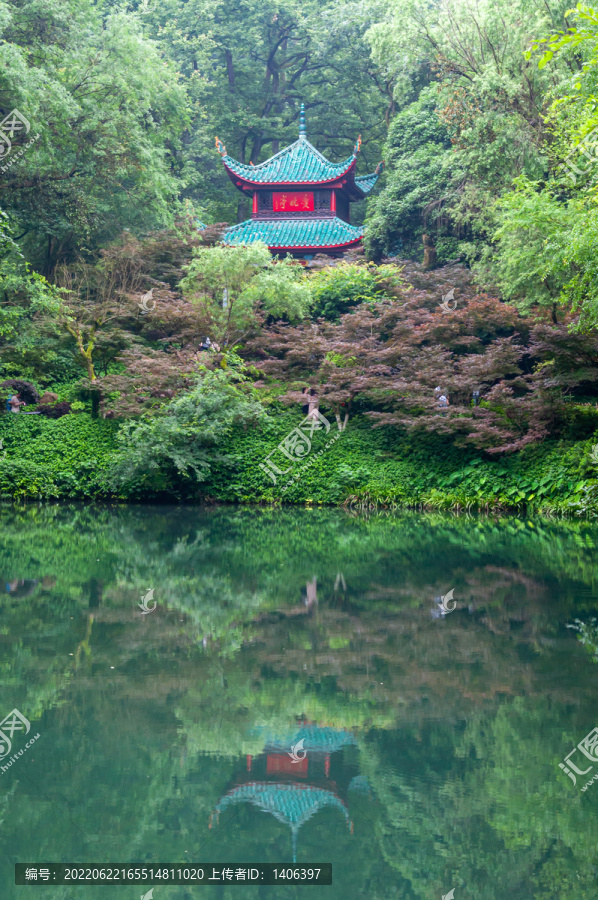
<point>292,778</point>
<point>301,201</point>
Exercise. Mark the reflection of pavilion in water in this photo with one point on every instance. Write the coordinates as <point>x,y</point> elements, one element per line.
<point>293,791</point>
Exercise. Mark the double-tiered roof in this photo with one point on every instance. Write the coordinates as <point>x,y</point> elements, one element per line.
<point>301,200</point>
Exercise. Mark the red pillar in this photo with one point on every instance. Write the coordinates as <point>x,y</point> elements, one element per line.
<point>254,202</point>
<point>327,765</point>
<point>248,755</point>
<point>333,202</point>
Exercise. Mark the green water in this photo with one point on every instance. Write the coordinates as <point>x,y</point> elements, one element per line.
<point>432,742</point>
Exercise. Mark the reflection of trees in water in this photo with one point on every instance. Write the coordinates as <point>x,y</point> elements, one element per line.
<point>238,575</point>
<point>487,794</point>
<point>311,613</point>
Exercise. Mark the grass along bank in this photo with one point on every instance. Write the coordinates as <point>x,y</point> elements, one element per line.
<point>71,458</point>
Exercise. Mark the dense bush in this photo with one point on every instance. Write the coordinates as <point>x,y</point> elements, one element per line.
<point>55,458</point>
<point>186,437</point>
<point>71,458</point>
<point>55,410</point>
<point>25,389</point>
<point>338,289</point>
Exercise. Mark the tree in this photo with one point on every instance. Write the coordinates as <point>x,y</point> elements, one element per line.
<point>467,61</point>
<point>387,359</point>
<point>25,296</point>
<point>236,288</point>
<point>337,289</point>
<point>106,112</point>
<point>185,437</point>
<point>420,169</point>
<point>247,67</point>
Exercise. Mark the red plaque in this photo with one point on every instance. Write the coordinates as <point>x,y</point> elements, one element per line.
<point>293,201</point>
<point>282,762</point>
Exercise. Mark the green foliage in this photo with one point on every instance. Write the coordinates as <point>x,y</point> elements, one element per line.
<point>547,234</point>
<point>587,635</point>
<point>107,113</point>
<point>470,116</point>
<point>545,252</point>
<point>235,288</point>
<point>380,467</point>
<point>419,169</point>
<point>186,436</point>
<point>572,39</point>
<point>528,261</point>
<point>247,68</point>
<point>338,289</point>
<point>199,447</point>
<point>25,296</point>
<point>54,458</point>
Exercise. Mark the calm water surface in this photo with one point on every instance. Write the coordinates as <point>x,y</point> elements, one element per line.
<point>430,743</point>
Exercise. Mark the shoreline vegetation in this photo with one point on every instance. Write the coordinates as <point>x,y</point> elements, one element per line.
<point>365,468</point>
<point>152,358</point>
<point>173,424</point>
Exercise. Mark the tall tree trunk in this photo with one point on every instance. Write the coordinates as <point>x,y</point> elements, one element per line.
<point>257,146</point>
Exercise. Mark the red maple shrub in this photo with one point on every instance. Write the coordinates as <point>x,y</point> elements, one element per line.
<point>388,360</point>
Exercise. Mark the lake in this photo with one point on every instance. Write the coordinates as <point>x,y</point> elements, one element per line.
<point>391,694</point>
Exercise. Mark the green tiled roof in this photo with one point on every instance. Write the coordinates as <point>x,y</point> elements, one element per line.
<point>292,233</point>
<point>314,737</point>
<point>365,183</point>
<point>292,804</point>
<point>300,163</point>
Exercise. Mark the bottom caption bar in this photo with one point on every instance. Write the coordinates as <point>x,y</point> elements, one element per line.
<point>172,873</point>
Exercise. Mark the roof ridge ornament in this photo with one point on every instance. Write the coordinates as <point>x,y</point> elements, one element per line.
<point>357,146</point>
<point>302,131</point>
<point>220,147</point>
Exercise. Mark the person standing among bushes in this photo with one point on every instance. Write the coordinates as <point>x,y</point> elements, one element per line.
<point>15,403</point>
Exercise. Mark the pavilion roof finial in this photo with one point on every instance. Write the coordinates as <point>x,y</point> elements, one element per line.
<point>302,131</point>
